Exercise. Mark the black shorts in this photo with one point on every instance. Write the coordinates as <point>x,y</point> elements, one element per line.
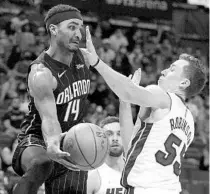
<point>61,180</point>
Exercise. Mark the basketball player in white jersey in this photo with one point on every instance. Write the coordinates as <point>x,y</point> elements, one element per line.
<point>106,178</point>
<point>160,140</point>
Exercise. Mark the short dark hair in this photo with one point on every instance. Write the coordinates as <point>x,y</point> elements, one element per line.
<point>195,72</point>
<point>109,120</point>
<point>58,9</point>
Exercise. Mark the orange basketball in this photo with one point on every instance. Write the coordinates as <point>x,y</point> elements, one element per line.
<point>88,145</point>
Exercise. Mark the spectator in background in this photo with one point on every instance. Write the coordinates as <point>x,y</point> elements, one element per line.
<point>40,35</point>
<point>204,162</point>
<point>117,40</point>
<point>14,57</point>
<point>135,57</point>
<point>100,94</point>
<point>21,67</point>
<point>97,37</point>
<point>25,38</point>
<point>18,21</point>
<point>8,88</point>
<point>121,62</point>
<point>6,43</point>
<point>106,53</point>
<point>3,67</point>
<point>13,118</point>
<point>2,183</point>
<point>7,154</point>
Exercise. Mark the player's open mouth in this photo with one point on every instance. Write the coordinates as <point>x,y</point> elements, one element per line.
<point>75,42</point>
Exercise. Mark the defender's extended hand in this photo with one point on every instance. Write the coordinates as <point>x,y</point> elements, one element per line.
<point>89,52</point>
<point>136,77</point>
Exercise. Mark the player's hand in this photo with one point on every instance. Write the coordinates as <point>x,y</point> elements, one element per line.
<point>56,154</point>
<point>89,52</point>
<point>136,77</point>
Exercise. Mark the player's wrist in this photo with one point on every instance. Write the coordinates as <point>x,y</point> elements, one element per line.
<point>96,63</point>
<point>53,141</point>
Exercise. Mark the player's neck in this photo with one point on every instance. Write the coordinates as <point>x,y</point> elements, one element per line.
<point>62,56</point>
<point>181,95</point>
<point>116,163</point>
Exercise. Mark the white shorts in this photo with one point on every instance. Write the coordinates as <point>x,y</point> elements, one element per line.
<point>138,190</point>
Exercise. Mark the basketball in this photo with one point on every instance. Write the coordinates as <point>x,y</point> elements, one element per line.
<point>88,145</point>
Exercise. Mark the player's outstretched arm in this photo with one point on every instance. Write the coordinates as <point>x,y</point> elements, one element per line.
<point>126,123</point>
<point>123,87</point>
<point>125,114</point>
<point>41,85</point>
<point>93,182</point>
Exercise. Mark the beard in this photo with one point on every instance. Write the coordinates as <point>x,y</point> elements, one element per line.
<point>67,47</point>
<point>116,152</point>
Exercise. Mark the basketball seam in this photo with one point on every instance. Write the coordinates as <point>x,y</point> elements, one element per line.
<point>96,150</point>
<point>81,150</point>
<point>106,152</point>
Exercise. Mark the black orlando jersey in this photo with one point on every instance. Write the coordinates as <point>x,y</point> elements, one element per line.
<point>73,85</point>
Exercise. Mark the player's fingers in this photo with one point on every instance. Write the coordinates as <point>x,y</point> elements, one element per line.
<point>84,51</point>
<point>139,71</point>
<point>68,165</point>
<point>130,76</point>
<point>88,35</point>
<point>63,154</point>
<point>89,43</point>
<point>62,135</point>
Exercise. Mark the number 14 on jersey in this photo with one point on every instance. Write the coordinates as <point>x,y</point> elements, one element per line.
<point>72,108</point>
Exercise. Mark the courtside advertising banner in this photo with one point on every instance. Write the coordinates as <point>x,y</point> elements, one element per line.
<point>157,9</point>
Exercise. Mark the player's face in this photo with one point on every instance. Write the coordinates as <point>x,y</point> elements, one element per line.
<point>16,103</point>
<point>173,78</point>
<point>69,34</point>
<point>115,141</point>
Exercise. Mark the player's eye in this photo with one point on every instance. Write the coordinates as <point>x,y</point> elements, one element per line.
<point>72,27</point>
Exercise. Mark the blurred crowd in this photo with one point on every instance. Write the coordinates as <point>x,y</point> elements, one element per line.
<point>123,49</point>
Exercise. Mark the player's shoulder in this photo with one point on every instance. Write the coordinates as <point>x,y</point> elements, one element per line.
<point>161,95</point>
<point>40,78</point>
<point>155,89</point>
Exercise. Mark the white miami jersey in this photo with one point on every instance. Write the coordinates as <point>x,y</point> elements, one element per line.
<point>110,180</point>
<point>156,149</point>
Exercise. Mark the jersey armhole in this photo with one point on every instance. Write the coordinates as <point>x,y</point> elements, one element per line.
<point>100,182</point>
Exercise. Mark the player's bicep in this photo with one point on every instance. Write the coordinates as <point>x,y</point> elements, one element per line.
<point>41,84</point>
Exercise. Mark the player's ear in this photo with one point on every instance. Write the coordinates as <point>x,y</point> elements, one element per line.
<point>53,29</point>
<point>185,83</point>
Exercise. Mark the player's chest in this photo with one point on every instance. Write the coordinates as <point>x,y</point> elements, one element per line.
<point>71,84</point>
<point>150,115</point>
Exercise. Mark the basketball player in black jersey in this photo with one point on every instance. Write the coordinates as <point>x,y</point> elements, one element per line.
<point>58,85</point>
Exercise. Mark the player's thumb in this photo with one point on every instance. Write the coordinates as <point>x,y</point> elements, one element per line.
<point>63,154</point>
<point>130,76</point>
<point>89,42</point>
<point>84,51</point>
